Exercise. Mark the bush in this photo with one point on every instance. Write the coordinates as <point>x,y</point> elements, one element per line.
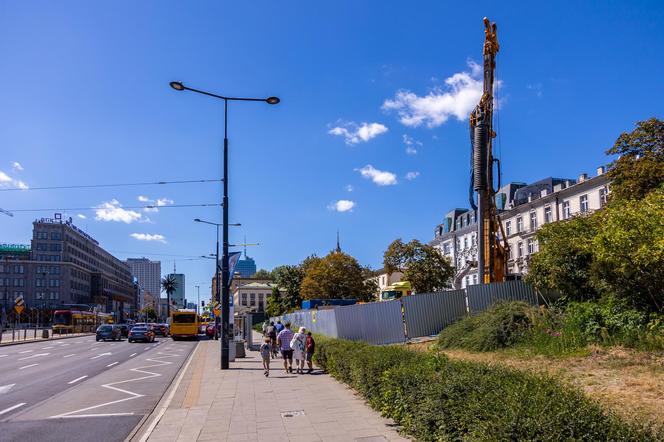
<point>503,325</point>
<point>434,398</point>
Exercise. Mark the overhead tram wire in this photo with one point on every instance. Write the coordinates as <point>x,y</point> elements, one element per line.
<point>149,206</point>
<point>89,186</point>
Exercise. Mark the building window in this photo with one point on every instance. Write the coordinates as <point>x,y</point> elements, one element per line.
<point>56,247</point>
<point>519,248</point>
<point>244,299</point>
<point>473,240</point>
<point>19,269</point>
<point>475,279</point>
<point>465,243</point>
<point>19,282</point>
<point>39,282</point>
<point>533,221</point>
<point>531,246</point>
<point>54,270</point>
<point>583,202</point>
<point>42,235</point>
<point>40,295</point>
<point>252,299</point>
<point>566,210</point>
<point>53,296</point>
<point>519,224</point>
<point>446,248</point>
<point>603,196</point>
<point>511,254</point>
<point>508,228</point>
<point>56,236</point>
<point>548,215</point>
<point>54,283</point>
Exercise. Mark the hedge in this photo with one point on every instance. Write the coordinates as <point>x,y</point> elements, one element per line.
<point>434,398</point>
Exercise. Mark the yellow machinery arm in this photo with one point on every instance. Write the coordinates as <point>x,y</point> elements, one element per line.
<point>492,245</point>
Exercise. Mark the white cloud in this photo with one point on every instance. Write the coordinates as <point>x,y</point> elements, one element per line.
<point>164,202</point>
<point>143,199</point>
<point>4,178</point>
<point>8,181</point>
<point>113,211</point>
<point>149,237</point>
<point>462,92</point>
<point>155,204</point>
<point>349,188</point>
<point>412,175</point>
<point>81,216</point>
<point>354,133</point>
<point>411,144</point>
<point>342,206</point>
<point>380,177</point>
<point>20,184</point>
<point>16,166</point>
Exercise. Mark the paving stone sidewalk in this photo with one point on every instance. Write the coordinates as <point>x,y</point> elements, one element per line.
<point>241,404</point>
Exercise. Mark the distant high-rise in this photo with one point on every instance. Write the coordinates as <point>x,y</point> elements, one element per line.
<point>246,267</point>
<point>178,296</point>
<point>148,274</point>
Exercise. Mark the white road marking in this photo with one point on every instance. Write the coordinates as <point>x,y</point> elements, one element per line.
<point>3,356</point>
<point>26,351</point>
<point>100,355</point>
<point>132,355</point>
<point>46,348</point>
<point>7,410</point>
<point>112,364</point>
<point>6,388</point>
<point>68,356</point>
<point>27,366</point>
<point>33,356</point>
<point>77,379</point>
<point>98,415</point>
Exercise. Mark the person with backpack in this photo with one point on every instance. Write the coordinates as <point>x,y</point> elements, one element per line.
<point>271,334</point>
<point>297,345</point>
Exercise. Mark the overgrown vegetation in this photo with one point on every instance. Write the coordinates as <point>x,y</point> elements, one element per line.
<point>434,398</point>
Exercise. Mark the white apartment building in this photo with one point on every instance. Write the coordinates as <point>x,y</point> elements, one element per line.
<point>523,209</point>
<point>147,272</point>
<point>252,295</point>
<point>384,279</point>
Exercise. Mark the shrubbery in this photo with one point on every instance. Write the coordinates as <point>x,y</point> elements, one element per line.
<point>434,398</point>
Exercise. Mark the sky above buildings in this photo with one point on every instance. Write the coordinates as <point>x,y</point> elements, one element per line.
<point>371,136</point>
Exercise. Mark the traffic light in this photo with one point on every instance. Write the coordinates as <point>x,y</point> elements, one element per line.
<point>202,303</point>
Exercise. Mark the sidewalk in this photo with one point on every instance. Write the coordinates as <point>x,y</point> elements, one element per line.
<point>241,404</point>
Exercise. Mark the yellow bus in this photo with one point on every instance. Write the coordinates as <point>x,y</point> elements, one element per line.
<point>184,324</point>
<point>396,291</point>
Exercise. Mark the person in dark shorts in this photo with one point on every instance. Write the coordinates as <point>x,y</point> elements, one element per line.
<point>283,340</point>
<point>271,333</point>
<point>309,348</point>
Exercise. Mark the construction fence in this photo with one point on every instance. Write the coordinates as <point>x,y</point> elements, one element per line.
<point>415,316</point>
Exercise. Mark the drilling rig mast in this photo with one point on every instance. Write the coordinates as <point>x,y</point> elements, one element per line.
<point>492,245</point>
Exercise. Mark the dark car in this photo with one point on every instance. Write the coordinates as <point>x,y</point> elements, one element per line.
<point>161,329</point>
<point>107,331</point>
<point>141,333</point>
<point>124,329</point>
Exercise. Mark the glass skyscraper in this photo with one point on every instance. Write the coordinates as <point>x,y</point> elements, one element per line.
<point>246,267</point>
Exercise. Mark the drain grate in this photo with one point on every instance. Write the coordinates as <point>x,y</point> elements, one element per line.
<point>294,413</point>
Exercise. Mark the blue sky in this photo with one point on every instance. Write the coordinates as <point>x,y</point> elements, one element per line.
<point>85,99</point>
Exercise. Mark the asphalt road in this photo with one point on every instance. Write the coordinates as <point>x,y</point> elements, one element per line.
<point>80,389</point>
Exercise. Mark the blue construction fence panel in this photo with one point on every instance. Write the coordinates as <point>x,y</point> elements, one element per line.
<point>481,297</point>
<point>426,314</point>
<point>376,323</point>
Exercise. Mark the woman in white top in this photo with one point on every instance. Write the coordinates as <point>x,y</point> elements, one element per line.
<point>297,344</point>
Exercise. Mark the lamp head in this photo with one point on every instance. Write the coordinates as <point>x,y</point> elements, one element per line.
<point>177,85</point>
<point>198,220</point>
<point>272,100</point>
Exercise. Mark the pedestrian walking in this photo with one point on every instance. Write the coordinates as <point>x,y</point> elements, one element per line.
<point>297,344</point>
<point>283,340</point>
<point>309,348</point>
<point>266,351</point>
<point>279,326</point>
<point>271,332</point>
<point>264,327</point>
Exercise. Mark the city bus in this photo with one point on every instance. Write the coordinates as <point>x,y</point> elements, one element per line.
<point>396,291</point>
<point>74,321</point>
<point>184,324</point>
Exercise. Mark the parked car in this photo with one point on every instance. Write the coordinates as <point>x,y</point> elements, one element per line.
<point>124,329</point>
<point>141,333</point>
<point>108,331</point>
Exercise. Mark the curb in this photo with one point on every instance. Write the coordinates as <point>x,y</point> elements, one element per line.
<point>30,341</point>
<point>145,429</point>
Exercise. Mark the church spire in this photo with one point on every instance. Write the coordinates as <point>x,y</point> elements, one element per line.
<point>338,249</point>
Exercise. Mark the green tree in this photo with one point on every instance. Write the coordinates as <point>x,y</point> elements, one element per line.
<point>629,251</point>
<point>168,284</point>
<point>274,306</point>
<point>564,261</point>
<point>422,265</point>
<point>337,275</point>
<point>289,279</point>
<point>149,314</point>
<point>262,274</point>
<point>640,167</point>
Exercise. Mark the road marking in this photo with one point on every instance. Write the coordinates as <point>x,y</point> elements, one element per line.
<point>27,366</point>
<point>132,355</point>
<point>68,356</point>
<point>164,407</point>
<point>100,355</point>
<point>46,348</point>
<point>7,410</point>
<point>98,415</point>
<point>6,388</point>
<point>3,356</point>
<point>26,351</point>
<point>110,365</point>
<point>34,356</point>
<point>77,379</point>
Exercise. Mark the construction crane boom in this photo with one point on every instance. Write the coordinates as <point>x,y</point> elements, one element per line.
<point>492,246</point>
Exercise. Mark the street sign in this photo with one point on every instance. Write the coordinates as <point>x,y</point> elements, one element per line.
<point>216,308</point>
<point>19,304</point>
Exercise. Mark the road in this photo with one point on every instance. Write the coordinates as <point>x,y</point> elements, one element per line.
<point>80,389</point>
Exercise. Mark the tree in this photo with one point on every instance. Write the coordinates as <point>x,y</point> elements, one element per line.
<point>149,314</point>
<point>262,274</point>
<point>169,284</point>
<point>640,167</point>
<point>421,264</point>
<point>337,275</point>
<point>564,261</point>
<point>274,306</point>
<point>289,279</point>
<point>629,251</point>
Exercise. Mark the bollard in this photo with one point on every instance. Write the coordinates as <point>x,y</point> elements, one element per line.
<point>45,333</point>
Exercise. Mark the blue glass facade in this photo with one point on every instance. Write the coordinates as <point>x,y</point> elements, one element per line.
<point>246,267</point>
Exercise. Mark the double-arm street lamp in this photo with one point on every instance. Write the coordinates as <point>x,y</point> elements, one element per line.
<point>178,86</point>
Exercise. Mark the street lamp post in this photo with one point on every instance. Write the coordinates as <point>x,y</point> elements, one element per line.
<point>178,86</point>
<point>198,297</point>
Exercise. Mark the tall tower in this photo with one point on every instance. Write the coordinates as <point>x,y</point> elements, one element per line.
<point>338,249</point>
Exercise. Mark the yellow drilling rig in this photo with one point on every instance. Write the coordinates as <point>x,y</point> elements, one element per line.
<point>493,249</point>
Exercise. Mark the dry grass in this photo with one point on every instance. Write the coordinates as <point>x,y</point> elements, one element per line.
<point>628,381</point>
